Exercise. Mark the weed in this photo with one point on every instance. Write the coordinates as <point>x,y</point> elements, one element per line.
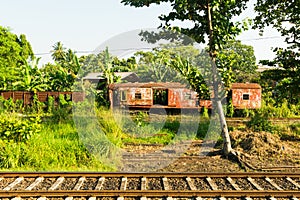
<point>260,122</point>
<point>55,148</point>
<point>18,129</point>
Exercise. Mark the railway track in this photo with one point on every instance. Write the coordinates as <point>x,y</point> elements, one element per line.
<point>243,120</point>
<point>143,186</point>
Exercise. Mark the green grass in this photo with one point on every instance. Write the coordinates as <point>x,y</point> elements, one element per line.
<point>92,142</point>
<point>140,129</point>
<point>55,148</point>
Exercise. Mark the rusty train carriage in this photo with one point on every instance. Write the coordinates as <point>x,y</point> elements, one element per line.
<point>152,95</point>
<point>27,97</point>
<point>246,95</point>
<point>177,96</point>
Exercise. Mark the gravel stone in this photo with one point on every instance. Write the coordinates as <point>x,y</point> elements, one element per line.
<point>46,184</point>
<point>264,184</point>
<point>244,184</point>
<point>89,184</point>
<point>133,184</point>
<point>23,184</point>
<point>284,184</point>
<point>5,182</point>
<point>68,184</point>
<point>201,184</point>
<point>222,184</point>
<point>154,184</point>
<point>178,184</point>
<point>111,183</point>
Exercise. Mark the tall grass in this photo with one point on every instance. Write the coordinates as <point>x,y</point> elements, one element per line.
<point>56,148</point>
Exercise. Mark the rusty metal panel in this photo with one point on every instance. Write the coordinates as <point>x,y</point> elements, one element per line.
<point>188,98</point>
<point>27,98</point>
<point>182,98</point>
<point>172,94</point>
<point>206,103</point>
<point>7,95</point>
<point>18,95</point>
<point>78,96</point>
<point>139,96</point>
<point>42,96</point>
<point>245,86</point>
<point>246,98</point>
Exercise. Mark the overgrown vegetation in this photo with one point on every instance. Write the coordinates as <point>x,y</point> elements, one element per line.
<point>43,137</point>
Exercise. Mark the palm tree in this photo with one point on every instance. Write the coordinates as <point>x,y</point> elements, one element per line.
<point>59,54</point>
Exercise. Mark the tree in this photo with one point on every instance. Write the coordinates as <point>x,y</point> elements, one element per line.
<point>238,60</point>
<point>62,74</point>
<point>14,52</point>
<point>31,78</point>
<point>96,62</point>
<point>285,17</point>
<point>154,66</point>
<point>173,62</point>
<point>211,19</point>
<point>59,52</point>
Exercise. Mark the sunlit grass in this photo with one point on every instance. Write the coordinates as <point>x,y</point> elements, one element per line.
<point>56,148</point>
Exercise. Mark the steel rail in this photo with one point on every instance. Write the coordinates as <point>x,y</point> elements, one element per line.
<point>151,174</point>
<point>150,193</point>
<point>10,189</point>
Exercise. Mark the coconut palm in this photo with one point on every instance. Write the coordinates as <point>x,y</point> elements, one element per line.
<point>58,52</point>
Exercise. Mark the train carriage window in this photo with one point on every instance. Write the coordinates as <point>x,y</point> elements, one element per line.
<point>246,96</point>
<point>138,96</point>
<point>123,95</point>
<point>187,96</point>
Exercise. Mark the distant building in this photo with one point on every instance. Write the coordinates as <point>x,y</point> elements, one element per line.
<point>262,68</point>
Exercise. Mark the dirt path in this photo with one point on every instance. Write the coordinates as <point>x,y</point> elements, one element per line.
<point>262,150</point>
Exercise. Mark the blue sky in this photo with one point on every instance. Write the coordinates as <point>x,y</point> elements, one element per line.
<point>84,25</point>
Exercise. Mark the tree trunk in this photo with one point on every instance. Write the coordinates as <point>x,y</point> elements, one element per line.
<point>227,149</point>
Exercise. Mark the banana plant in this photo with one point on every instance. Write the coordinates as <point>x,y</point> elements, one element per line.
<point>30,78</point>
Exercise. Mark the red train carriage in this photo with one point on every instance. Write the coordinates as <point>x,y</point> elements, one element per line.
<point>152,95</point>
<point>246,95</point>
<point>177,96</point>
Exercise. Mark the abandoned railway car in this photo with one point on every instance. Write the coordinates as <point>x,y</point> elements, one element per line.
<point>245,95</point>
<point>177,96</point>
<point>27,97</point>
<point>152,95</point>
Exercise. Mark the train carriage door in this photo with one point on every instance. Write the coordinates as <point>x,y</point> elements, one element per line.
<point>160,97</point>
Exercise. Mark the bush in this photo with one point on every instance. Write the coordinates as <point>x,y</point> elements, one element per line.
<point>260,122</point>
<point>17,129</point>
<point>61,113</point>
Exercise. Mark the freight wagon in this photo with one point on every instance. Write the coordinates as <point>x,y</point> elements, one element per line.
<point>27,97</point>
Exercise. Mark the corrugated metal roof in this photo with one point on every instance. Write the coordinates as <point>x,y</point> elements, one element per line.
<point>245,86</point>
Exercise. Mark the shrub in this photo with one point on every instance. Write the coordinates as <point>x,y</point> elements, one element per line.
<point>230,109</point>
<point>62,112</point>
<point>17,129</point>
<point>260,122</point>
